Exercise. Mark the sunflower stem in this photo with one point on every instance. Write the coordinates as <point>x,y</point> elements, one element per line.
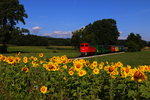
<point>111,90</point>
<point>137,97</point>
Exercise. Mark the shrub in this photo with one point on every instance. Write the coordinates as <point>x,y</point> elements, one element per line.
<point>132,46</point>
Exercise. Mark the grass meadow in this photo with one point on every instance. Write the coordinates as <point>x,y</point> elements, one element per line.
<point>127,58</point>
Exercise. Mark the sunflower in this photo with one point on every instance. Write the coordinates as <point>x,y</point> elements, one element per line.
<point>50,66</point>
<point>35,58</point>
<point>64,66</point>
<point>126,71</point>
<point>25,69</point>
<point>81,72</point>
<point>78,66</point>
<point>53,58</point>
<point>87,63</point>
<point>146,68</point>
<point>107,62</point>
<point>43,89</point>
<point>102,63</point>
<point>25,59</point>
<point>56,67</point>
<point>41,62</point>
<point>111,70</point>
<point>58,60</point>
<point>82,61</point>
<point>35,65</point>
<point>10,60</point>
<point>69,60</point>
<point>64,59</point>
<point>44,65</point>
<point>119,64</point>
<point>41,55</point>
<point>71,73</point>
<point>33,62</point>
<point>65,78</point>
<point>72,69</point>
<point>3,58</point>
<point>32,57</point>
<point>138,76</point>
<point>96,71</point>
<point>100,66</point>
<point>94,63</point>
<point>17,59</point>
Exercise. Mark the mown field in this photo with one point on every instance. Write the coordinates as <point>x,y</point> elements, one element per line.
<point>127,58</point>
<point>44,73</point>
<point>48,51</point>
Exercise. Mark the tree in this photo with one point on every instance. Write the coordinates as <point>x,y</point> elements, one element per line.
<point>132,46</point>
<point>11,12</point>
<point>135,42</point>
<point>76,38</point>
<point>102,32</point>
<point>106,31</point>
<point>148,44</point>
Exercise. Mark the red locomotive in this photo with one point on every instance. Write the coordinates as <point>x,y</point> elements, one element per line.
<point>86,49</point>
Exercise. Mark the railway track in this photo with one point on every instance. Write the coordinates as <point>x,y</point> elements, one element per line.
<point>97,55</point>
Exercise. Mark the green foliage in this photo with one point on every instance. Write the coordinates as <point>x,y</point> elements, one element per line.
<point>99,32</point>
<point>135,42</point>
<point>148,44</point>
<point>121,42</point>
<point>76,38</point>
<point>132,46</point>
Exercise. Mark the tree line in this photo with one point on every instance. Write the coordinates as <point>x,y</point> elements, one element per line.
<point>34,40</point>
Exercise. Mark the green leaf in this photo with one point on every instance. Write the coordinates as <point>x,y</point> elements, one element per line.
<point>106,87</point>
<point>131,93</point>
<point>51,89</point>
<point>74,94</point>
<point>121,86</point>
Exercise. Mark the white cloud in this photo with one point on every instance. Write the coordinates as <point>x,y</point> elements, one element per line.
<point>36,29</point>
<point>120,32</point>
<point>122,38</point>
<point>59,34</point>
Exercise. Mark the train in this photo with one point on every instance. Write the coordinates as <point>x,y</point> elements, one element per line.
<point>86,49</point>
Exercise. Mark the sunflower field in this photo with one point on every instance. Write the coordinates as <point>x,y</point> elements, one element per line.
<point>61,78</point>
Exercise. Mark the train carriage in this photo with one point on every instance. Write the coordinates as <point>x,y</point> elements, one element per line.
<point>112,48</point>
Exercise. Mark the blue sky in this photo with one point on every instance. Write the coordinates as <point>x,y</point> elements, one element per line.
<point>58,18</point>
